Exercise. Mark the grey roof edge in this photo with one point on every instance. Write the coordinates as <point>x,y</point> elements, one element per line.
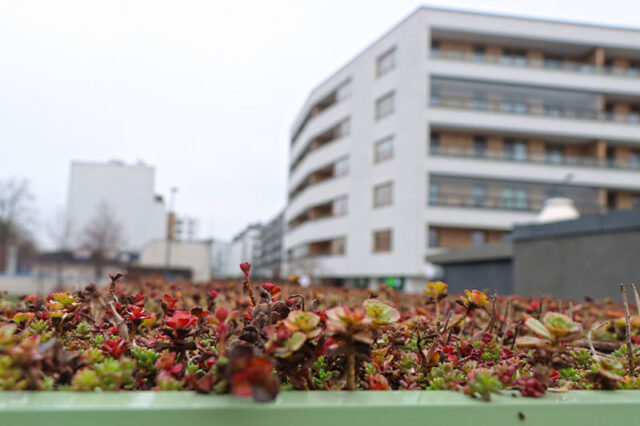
<point>616,221</point>
<point>496,251</point>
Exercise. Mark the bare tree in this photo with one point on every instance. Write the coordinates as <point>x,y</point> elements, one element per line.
<point>102,237</point>
<point>15,215</point>
<point>58,230</point>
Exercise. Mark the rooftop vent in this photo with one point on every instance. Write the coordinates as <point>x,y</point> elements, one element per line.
<point>556,209</point>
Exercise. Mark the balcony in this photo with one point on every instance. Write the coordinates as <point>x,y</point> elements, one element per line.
<point>532,108</point>
<point>330,209</point>
<point>520,61</point>
<point>336,96</point>
<point>513,195</point>
<point>335,133</point>
<point>331,171</point>
<point>515,201</point>
<point>631,163</point>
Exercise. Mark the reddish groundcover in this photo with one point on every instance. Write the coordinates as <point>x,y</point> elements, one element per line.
<point>259,339</point>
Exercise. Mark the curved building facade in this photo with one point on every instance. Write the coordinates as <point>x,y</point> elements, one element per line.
<point>447,131</point>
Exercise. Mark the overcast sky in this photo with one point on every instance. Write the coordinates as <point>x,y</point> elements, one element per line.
<point>205,91</point>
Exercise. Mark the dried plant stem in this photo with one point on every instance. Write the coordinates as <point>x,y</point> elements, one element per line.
<point>120,323</point>
<point>247,289</point>
<point>627,318</point>
<point>110,301</point>
<point>541,310</point>
<point>637,297</point>
<point>596,357</point>
<point>505,327</point>
<point>351,369</point>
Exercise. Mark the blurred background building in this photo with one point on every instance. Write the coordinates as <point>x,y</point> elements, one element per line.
<point>451,128</point>
<point>269,263</point>
<point>245,247</point>
<point>117,198</point>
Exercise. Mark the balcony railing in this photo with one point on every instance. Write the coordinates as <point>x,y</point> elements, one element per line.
<point>528,203</point>
<point>546,63</point>
<point>564,160</point>
<point>525,107</point>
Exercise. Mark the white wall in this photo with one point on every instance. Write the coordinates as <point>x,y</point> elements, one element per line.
<point>184,254</point>
<point>127,190</point>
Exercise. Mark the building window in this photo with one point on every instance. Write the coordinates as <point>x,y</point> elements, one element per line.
<point>339,207</point>
<point>514,151</point>
<point>516,199</point>
<point>478,53</point>
<point>341,167</point>
<point>478,102</point>
<point>554,154</point>
<point>382,241</point>
<point>383,149</point>
<point>478,195</point>
<point>434,143</point>
<point>634,160</point>
<point>477,238</point>
<point>386,62</point>
<point>344,90</point>
<point>479,146</point>
<point>343,128</point>
<point>433,193</point>
<point>338,246</point>
<point>433,237</point>
<point>383,195</point>
<point>385,105</point>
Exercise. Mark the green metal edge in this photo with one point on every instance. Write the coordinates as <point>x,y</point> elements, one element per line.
<point>318,408</point>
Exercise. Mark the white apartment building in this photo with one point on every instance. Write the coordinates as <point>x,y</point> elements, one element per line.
<point>126,191</point>
<point>245,247</point>
<point>449,129</point>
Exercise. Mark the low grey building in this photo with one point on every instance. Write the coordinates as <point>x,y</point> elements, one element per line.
<point>588,256</point>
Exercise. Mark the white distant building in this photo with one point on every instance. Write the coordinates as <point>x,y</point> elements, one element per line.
<point>193,255</point>
<point>126,190</point>
<point>185,229</point>
<point>220,255</point>
<point>449,129</point>
<point>245,247</point>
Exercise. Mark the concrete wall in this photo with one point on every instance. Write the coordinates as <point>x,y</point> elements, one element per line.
<point>43,285</point>
<point>184,254</point>
<point>577,266</point>
<point>487,275</point>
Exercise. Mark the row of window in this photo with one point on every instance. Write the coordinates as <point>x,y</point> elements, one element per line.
<point>517,150</point>
<point>385,63</point>
<point>382,242</point>
<point>518,57</point>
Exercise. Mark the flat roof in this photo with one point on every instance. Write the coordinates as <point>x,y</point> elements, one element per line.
<point>616,221</point>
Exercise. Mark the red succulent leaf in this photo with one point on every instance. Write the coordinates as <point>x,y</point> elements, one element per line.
<point>165,362</point>
<point>221,314</point>
<point>182,320</point>
<point>114,347</point>
<point>171,302</point>
<point>246,268</point>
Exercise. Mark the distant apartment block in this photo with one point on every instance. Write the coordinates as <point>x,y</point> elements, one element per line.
<point>245,247</point>
<point>269,263</point>
<point>451,128</point>
<point>220,254</point>
<point>125,192</point>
